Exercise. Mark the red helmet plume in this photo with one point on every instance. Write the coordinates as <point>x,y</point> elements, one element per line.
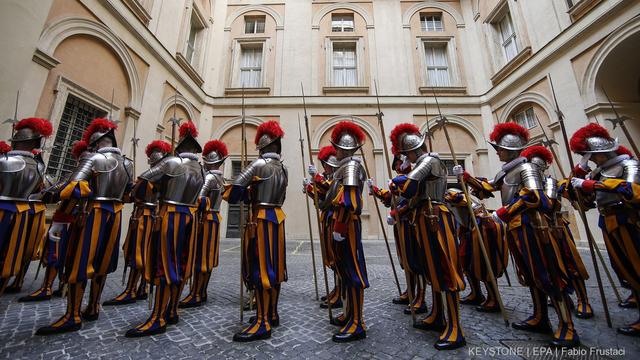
<point>538,151</point>
<point>158,145</point>
<point>270,128</point>
<point>4,147</point>
<point>503,129</point>
<point>98,125</point>
<point>578,142</point>
<point>188,128</point>
<point>396,135</point>
<point>326,152</point>
<point>78,148</point>
<point>623,150</point>
<point>40,126</point>
<point>215,145</point>
<point>350,128</point>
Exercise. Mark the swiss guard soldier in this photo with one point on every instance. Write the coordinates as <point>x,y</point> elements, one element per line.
<point>55,249</point>
<point>207,245</point>
<point>263,185</point>
<point>177,179</point>
<point>327,156</point>
<point>425,186</point>
<point>539,264</point>
<point>98,186</point>
<point>404,231</point>
<point>614,185</point>
<point>20,176</point>
<point>139,232</point>
<point>345,194</point>
<point>469,253</point>
<point>543,158</point>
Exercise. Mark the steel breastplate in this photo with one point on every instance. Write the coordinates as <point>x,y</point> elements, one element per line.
<point>20,176</point>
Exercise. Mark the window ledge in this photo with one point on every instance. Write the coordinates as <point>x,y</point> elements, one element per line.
<point>345,89</point>
<point>445,90</point>
<point>191,71</point>
<point>138,10</point>
<point>247,91</point>
<point>581,8</point>
<point>511,66</point>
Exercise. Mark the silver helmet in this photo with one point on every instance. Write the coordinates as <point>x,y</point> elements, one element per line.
<point>265,140</point>
<point>539,162</point>
<point>25,134</point>
<point>347,141</point>
<point>331,161</point>
<point>155,156</point>
<point>598,144</point>
<point>213,158</point>
<point>31,129</point>
<point>410,142</point>
<point>510,142</point>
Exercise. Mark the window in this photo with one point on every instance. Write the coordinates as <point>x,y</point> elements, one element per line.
<point>342,22</point>
<point>431,22</point>
<point>526,118</point>
<point>508,36</point>
<point>254,24</point>
<point>570,3</point>
<point>191,51</point>
<point>437,64</point>
<point>251,65</point>
<point>344,64</point>
<point>76,116</point>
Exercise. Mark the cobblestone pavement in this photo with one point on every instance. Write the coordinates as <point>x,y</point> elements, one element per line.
<point>304,332</point>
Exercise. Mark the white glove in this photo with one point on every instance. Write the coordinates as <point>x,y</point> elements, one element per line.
<point>305,183</point>
<point>391,220</point>
<point>312,170</point>
<point>584,161</point>
<point>338,237</point>
<point>56,229</point>
<point>370,186</point>
<point>458,170</point>
<point>577,182</point>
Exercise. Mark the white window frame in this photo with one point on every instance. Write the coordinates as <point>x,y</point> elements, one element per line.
<point>236,60</point>
<point>512,39</point>
<point>450,47</point>
<point>194,39</point>
<point>360,55</point>
<point>526,118</point>
<point>342,23</point>
<point>432,45</point>
<point>255,19</point>
<point>425,23</point>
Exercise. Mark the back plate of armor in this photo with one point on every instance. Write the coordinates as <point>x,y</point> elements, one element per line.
<point>20,176</point>
<point>181,181</point>
<point>524,175</point>
<point>627,170</point>
<point>272,189</point>
<point>111,175</point>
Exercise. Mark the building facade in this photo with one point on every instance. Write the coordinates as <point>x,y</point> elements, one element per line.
<point>143,62</point>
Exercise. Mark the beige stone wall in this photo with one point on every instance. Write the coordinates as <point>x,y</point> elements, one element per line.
<point>99,46</point>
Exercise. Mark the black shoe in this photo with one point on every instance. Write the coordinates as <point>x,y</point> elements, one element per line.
<point>86,316</point>
<point>449,345</point>
<point>273,322</point>
<point>584,314</point>
<point>629,331</point>
<point>51,330</point>
<point>565,343</point>
<point>343,338</point>
<point>172,320</point>
<point>628,304</point>
<point>57,293</point>
<point>323,298</point>
<point>400,300</point>
<point>420,310</point>
<point>114,302</point>
<point>135,333</point>
<point>244,337</point>
<point>12,289</point>
<point>189,304</point>
<point>542,328</point>
<point>439,327</point>
<point>488,309</point>
<point>337,322</point>
<point>144,296</point>
<point>337,304</point>
<point>34,298</point>
<point>476,300</point>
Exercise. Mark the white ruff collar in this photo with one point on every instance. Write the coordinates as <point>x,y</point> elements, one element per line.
<point>109,149</point>
<point>188,155</point>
